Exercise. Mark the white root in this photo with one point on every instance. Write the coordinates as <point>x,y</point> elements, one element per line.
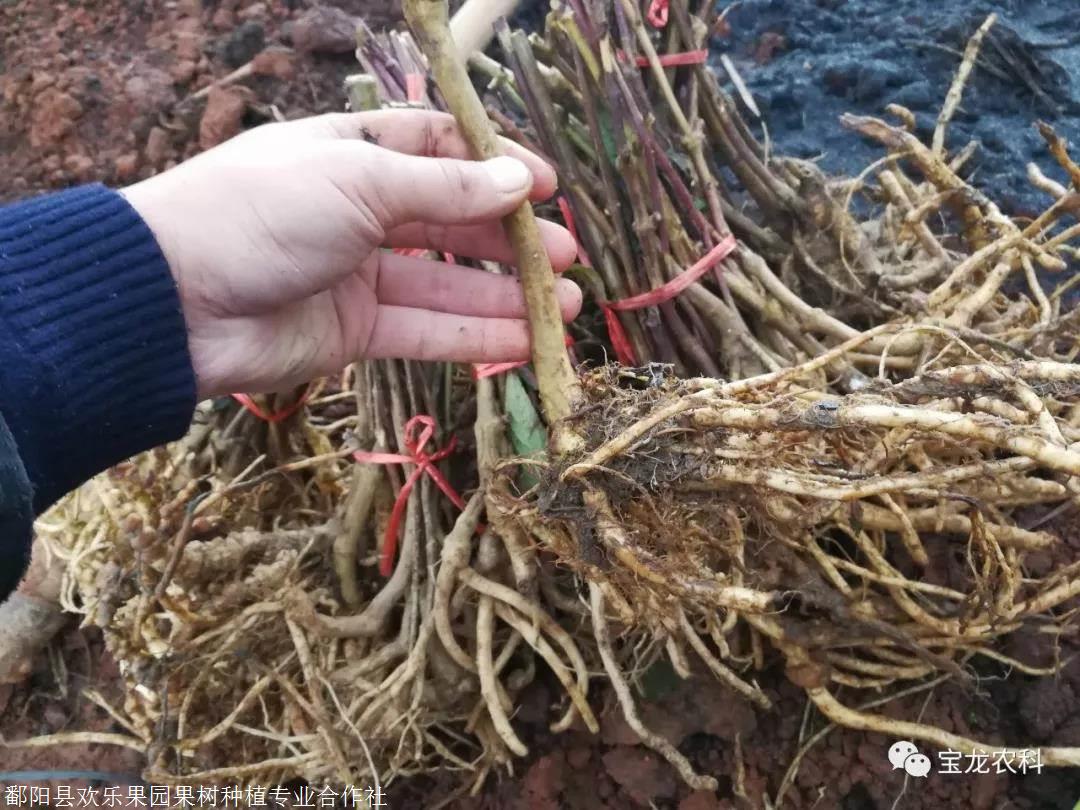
<point>626,700</point>
<point>488,686</point>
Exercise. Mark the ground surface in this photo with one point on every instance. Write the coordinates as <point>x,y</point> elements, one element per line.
<point>99,90</point>
<point>809,61</point>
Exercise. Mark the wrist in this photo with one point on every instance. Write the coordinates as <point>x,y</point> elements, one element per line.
<point>150,202</point>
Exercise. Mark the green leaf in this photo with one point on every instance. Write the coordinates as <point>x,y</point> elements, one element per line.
<point>527,432</point>
<point>682,161</point>
<point>588,278</point>
<point>607,137</point>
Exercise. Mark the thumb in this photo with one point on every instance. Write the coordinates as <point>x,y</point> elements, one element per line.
<point>397,188</point>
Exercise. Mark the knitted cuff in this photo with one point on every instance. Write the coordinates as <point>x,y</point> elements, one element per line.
<point>94,363</point>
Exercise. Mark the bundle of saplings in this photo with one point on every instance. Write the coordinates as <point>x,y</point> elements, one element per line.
<point>791,397</point>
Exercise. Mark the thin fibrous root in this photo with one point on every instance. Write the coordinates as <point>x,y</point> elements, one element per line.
<point>725,675</point>
<point>626,700</point>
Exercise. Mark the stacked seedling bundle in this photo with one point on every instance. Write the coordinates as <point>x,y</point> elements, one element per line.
<point>839,406</point>
<point>803,503</point>
<point>225,573</point>
<point>278,587</point>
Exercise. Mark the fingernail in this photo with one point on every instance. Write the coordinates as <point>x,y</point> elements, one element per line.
<point>508,174</point>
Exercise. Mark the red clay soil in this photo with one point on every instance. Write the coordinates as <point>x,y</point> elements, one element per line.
<point>101,90</point>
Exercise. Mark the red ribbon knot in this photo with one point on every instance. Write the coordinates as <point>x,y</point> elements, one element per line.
<point>658,13</point>
<point>425,464</point>
<point>273,416</point>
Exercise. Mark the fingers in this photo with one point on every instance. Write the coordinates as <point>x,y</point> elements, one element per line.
<point>390,189</point>
<point>448,288</point>
<point>422,133</point>
<point>420,334</point>
<point>487,241</point>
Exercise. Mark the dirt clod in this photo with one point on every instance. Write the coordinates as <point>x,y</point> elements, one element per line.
<point>324,29</point>
<point>543,783</point>
<point>1044,704</point>
<point>277,62</point>
<point>641,774</point>
<point>239,46</point>
<point>702,800</point>
<point>54,116</point>
<point>225,107</point>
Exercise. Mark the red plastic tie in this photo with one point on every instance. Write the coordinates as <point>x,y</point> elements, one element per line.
<point>421,253</point>
<point>619,339</point>
<point>425,463</point>
<point>568,217</point>
<point>275,416</point>
<point>678,59</point>
<point>657,14</point>
<point>481,370</point>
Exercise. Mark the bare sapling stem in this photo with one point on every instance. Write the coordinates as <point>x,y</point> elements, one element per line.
<point>559,386</point>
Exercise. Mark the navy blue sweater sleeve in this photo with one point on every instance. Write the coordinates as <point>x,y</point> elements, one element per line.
<point>94,363</point>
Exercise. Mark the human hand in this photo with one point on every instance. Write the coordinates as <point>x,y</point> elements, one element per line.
<point>274,241</point>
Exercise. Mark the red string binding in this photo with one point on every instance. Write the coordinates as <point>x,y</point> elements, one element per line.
<point>657,15</point>
<point>425,464</point>
<point>276,416</point>
<point>568,217</point>
<point>481,370</point>
<point>671,59</point>
<point>619,339</point>
<point>677,59</point>
<point>420,253</point>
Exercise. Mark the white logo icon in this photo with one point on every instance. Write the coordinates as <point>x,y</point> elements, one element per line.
<point>917,765</point>
<point>904,754</point>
